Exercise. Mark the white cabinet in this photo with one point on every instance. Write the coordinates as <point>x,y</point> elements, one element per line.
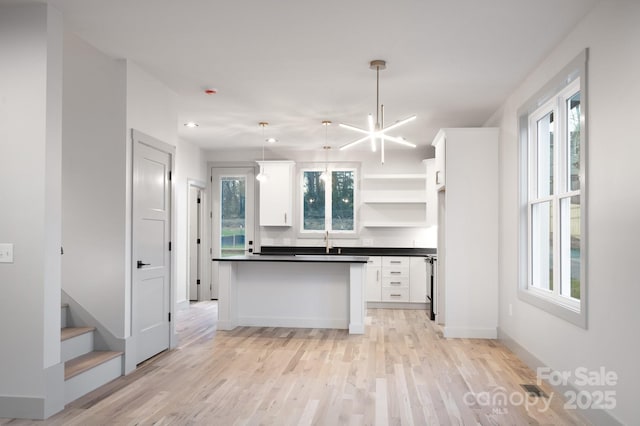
<point>418,279</point>
<point>467,297</point>
<point>276,193</point>
<point>395,279</point>
<point>393,200</point>
<point>374,279</point>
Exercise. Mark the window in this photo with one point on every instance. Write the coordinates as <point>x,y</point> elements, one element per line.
<point>552,188</point>
<point>328,201</point>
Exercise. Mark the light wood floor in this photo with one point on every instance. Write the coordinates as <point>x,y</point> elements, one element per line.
<point>402,371</point>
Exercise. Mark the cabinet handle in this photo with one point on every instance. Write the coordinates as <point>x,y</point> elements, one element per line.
<point>378,275</point>
<point>438,177</point>
<point>395,261</point>
<point>395,272</point>
<point>395,283</point>
<point>395,295</point>
<point>285,217</point>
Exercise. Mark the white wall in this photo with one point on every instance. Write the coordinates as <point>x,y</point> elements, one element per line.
<point>612,34</point>
<point>397,161</point>
<point>94,172</point>
<point>30,111</point>
<point>190,166</point>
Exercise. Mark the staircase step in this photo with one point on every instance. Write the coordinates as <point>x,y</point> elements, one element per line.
<point>90,371</point>
<point>75,341</point>
<point>86,362</point>
<point>69,332</point>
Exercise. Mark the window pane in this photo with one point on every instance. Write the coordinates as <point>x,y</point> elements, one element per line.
<point>570,239</point>
<point>342,201</point>
<point>542,245</point>
<point>573,141</point>
<point>313,199</point>
<point>544,148</point>
<point>232,217</point>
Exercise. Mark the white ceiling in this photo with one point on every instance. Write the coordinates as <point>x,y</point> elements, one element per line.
<point>295,63</point>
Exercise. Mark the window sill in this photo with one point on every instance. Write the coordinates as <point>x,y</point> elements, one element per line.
<point>550,305</point>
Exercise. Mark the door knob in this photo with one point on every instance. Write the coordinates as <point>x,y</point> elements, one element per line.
<point>140,264</point>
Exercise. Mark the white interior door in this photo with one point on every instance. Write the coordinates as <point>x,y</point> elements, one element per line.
<point>195,242</point>
<point>233,212</point>
<point>151,263</point>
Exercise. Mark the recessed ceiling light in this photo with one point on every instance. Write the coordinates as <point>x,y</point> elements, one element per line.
<point>272,140</point>
<point>191,124</point>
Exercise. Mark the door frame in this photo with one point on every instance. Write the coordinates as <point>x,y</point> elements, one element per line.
<point>204,246</point>
<point>131,344</point>
<point>213,277</point>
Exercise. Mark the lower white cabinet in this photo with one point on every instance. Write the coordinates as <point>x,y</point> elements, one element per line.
<point>418,283</point>
<point>373,291</point>
<point>395,294</point>
<point>396,279</point>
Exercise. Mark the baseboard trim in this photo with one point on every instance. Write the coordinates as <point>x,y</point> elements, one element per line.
<point>37,408</point>
<point>337,323</point>
<point>22,407</point>
<point>594,416</point>
<point>470,332</point>
<point>397,305</point>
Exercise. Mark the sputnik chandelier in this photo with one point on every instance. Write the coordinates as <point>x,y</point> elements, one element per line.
<point>377,131</point>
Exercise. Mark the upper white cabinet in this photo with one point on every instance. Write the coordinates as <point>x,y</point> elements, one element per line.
<point>467,231</point>
<point>276,193</point>
<point>393,200</point>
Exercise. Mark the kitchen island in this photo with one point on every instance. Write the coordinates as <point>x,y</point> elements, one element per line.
<point>303,291</point>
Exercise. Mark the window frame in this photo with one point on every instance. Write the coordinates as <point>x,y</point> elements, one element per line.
<point>553,98</point>
<point>330,168</point>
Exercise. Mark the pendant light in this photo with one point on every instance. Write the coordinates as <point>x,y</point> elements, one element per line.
<point>325,174</point>
<point>376,131</point>
<point>262,177</point>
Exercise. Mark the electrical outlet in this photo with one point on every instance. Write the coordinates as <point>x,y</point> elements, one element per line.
<point>6,253</point>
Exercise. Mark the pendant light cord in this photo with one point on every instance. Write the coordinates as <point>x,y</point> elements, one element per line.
<point>377,96</point>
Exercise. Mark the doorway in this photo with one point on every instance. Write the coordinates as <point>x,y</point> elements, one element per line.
<point>233,211</point>
<point>195,240</point>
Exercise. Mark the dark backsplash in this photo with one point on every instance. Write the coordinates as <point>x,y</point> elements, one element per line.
<point>352,251</point>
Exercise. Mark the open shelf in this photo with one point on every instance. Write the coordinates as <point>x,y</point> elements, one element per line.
<point>395,197</point>
<point>420,224</point>
<point>395,176</point>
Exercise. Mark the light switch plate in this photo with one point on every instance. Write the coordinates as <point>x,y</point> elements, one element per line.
<point>6,253</point>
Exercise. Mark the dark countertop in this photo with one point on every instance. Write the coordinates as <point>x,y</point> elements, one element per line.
<point>294,258</point>
<point>349,251</point>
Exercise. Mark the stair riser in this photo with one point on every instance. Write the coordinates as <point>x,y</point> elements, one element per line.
<point>63,316</point>
<point>76,346</point>
<point>84,383</point>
